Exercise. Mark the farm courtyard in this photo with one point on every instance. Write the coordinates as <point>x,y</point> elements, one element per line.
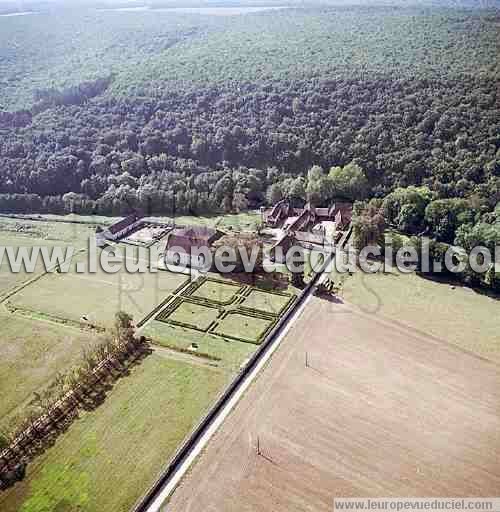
<point>379,410</point>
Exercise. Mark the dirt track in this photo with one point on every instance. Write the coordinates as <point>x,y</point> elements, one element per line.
<point>380,411</point>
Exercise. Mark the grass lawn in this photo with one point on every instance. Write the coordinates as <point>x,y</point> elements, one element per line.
<point>46,231</point>
<point>456,314</point>
<point>110,456</point>
<point>194,314</point>
<point>23,233</point>
<point>103,220</point>
<point>231,352</point>
<point>9,279</point>
<point>264,301</point>
<point>98,296</point>
<point>242,326</point>
<point>245,221</point>
<point>218,292</point>
<point>31,354</point>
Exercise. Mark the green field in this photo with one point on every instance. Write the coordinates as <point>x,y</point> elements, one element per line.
<point>244,221</point>
<point>110,456</point>
<point>217,291</point>
<point>98,296</point>
<point>30,234</point>
<point>31,354</point>
<point>454,313</point>
<point>9,280</point>
<point>267,302</point>
<point>152,410</point>
<point>47,231</point>
<point>243,327</point>
<point>196,315</point>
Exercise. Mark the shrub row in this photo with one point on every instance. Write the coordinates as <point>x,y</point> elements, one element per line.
<point>190,292</point>
<point>258,340</point>
<point>165,313</point>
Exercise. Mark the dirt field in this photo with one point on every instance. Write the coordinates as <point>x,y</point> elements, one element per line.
<point>380,411</point>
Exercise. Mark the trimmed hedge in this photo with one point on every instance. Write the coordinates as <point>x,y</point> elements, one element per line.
<point>164,316</point>
<point>192,290</point>
<point>257,341</point>
<point>237,301</point>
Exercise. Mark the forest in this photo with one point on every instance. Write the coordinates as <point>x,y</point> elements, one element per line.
<point>225,113</point>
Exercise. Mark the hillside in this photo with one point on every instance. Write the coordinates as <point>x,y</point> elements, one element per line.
<point>125,108</point>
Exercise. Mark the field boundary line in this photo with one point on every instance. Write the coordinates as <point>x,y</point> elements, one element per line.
<point>170,477</point>
<point>171,297</point>
<point>411,330</point>
<point>34,279</point>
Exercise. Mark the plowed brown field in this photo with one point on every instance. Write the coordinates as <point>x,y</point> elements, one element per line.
<point>380,411</point>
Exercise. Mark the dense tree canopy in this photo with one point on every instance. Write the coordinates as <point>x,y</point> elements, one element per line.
<point>217,145</point>
<point>204,114</point>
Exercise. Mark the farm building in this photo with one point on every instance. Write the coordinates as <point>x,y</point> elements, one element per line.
<point>188,246</point>
<point>308,227</point>
<point>284,216</point>
<point>316,240</point>
<point>119,230</point>
<point>134,229</point>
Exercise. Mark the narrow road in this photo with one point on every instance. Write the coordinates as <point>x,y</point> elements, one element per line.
<point>158,494</point>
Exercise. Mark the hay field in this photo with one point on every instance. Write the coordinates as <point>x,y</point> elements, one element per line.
<point>29,234</point>
<point>457,314</point>
<point>31,354</point>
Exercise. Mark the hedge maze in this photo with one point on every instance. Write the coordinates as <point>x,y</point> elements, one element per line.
<point>238,312</point>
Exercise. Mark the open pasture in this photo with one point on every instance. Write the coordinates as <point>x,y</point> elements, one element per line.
<point>9,279</point>
<point>111,455</point>
<point>31,354</point>
<point>30,234</point>
<point>455,313</point>
<point>244,221</point>
<point>98,296</point>
<point>378,410</point>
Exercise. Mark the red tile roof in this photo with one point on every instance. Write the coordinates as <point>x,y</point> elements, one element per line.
<point>191,237</point>
<point>124,223</point>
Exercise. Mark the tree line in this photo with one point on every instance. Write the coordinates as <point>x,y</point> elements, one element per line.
<point>219,148</point>
<point>54,408</point>
<point>465,223</point>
